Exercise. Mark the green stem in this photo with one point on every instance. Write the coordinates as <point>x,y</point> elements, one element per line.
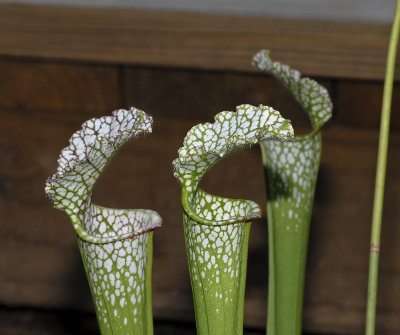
<point>380,175</point>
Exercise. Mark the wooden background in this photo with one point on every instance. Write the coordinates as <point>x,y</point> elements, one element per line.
<point>356,10</point>
<point>44,100</point>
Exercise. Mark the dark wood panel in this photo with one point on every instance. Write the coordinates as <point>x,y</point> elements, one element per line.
<point>34,85</point>
<point>193,40</point>
<point>199,95</point>
<point>359,104</point>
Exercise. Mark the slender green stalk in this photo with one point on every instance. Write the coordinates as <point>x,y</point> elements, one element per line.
<point>381,174</point>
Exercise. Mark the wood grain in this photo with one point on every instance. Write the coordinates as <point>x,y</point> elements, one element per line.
<point>203,41</point>
<point>59,87</point>
<point>199,95</point>
<point>359,104</point>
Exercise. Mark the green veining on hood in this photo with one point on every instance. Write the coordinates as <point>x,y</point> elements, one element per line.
<point>115,244</point>
<point>217,229</point>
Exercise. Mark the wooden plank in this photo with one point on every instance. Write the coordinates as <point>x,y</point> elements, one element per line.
<point>358,10</point>
<point>40,264</point>
<point>359,104</point>
<point>53,87</point>
<point>199,95</point>
<point>204,41</point>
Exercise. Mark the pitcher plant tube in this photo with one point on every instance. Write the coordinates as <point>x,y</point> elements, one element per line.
<point>115,244</point>
<point>217,229</point>
<point>291,169</point>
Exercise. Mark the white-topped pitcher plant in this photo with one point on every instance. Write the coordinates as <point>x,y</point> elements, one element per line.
<point>217,229</point>
<point>115,244</point>
<point>291,170</point>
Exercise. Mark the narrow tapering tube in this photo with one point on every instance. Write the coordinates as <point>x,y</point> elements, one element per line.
<point>217,229</point>
<point>291,170</point>
<point>115,244</point>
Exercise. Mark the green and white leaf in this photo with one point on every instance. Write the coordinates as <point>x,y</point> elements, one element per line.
<point>217,229</point>
<point>291,170</point>
<point>115,244</point>
<point>206,144</point>
<point>313,97</point>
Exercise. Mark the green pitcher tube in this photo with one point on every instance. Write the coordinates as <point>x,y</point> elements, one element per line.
<point>217,229</point>
<point>115,244</point>
<point>291,170</point>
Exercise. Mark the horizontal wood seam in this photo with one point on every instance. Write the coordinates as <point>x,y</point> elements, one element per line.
<point>192,40</point>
